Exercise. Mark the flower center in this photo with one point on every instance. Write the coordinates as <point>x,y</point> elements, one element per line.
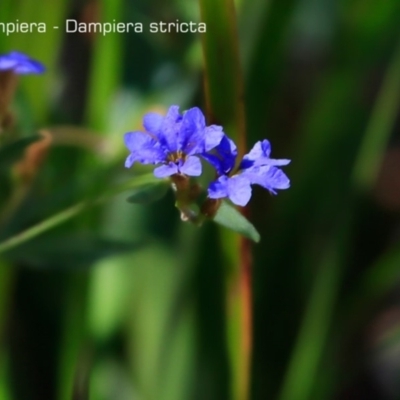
<point>176,156</point>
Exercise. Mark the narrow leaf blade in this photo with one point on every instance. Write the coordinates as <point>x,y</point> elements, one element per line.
<point>231,218</point>
<point>70,251</point>
<point>148,193</point>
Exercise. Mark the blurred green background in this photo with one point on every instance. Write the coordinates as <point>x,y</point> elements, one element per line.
<point>125,302</point>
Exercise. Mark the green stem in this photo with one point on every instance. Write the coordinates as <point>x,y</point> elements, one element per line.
<point>7,279</point>
<point>41,227</point>
<point>71,212</point>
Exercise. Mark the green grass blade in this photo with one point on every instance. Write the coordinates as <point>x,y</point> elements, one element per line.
<point>380,127</point>
<point>41,46</point>
<point>302,372</point>
<point>223,75</point>
<point>106,68</point>
<point>71,212</point>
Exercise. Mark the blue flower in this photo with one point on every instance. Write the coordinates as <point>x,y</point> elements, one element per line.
<point>223,157</point>
<point>256,168</point>
<point>173,140</point>
<point>20,63</point>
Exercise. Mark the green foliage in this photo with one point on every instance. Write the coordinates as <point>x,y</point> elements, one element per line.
<point>229,217</point>
<point>12,152</point>
<point>149,193</point>
<point>69,250</point>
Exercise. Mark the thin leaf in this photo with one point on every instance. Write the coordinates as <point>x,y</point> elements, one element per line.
<point>71,212</point>
<point>313,336</point>
<point>224,81</point>
<point>382,277</point>
<point>231,218</point>
<point>68,251</point>
<point>106,67</point>
<point>43,47</point>
<point>148,193</point>
<point>382,120</point>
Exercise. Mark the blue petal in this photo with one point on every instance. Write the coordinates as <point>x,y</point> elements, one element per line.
<point>143,148</point>
<point>237,189</point>
<point>170,129</point>
<point>268,177</point>
<point>187,133</point>
<point>166,170</point>
<point>219,188</point>
<point>152,122</point>
<point>6,63</point>
<point>259,155</point>
<point>20,64</point>
<point>213,137</point>
<point>191,135</point>
<point>196,137</point>
<point>223,157</point>
<point>129,161</point>
<point>260,149</point>
<point>191,167</point>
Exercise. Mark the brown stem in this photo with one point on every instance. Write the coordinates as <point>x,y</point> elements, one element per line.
<point>8,86</point>
<point>245,282</point>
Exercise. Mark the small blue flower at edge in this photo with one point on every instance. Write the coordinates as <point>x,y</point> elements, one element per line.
<point>256,168</point>
<point>174,141</point>
<point>20,63</point>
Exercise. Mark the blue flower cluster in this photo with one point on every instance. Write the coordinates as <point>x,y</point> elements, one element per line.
<point>20,63</point>
<point>178,141</point>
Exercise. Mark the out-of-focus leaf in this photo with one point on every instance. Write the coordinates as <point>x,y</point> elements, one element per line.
<point>231,218</point>
<point>304,367</point>
<point>70,251</point>
<point>106,67</point>
<point>148,193</point>
<point>43,47</point>
<point>161,330</point>
<point>266,46</point>
<point>73,337</point>
<point>5,390</point>
<point>12,152</point>
<point>108,296</point>
<point>111,380</point>
<point>382,277</point>
<point>224,83</point>
<point>380,127</point>
<point>65,215</point>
